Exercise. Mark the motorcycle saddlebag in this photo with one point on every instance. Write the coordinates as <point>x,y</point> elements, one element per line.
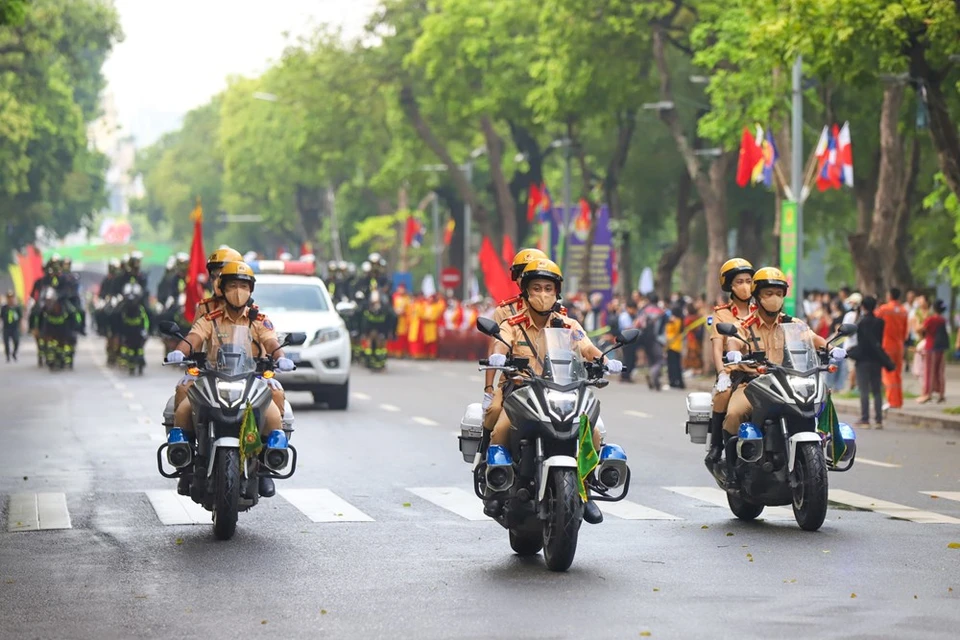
<point>699,409</point>
<point>471,429</point>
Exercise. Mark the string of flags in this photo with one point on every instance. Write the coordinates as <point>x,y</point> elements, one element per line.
<point>830,164</point>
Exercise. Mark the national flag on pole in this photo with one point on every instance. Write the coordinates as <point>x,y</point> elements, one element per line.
<point>508,251</point>
<point>750,154</point>
<point>587,458</point>
<point>545,205</point>
<point>533,202</point>
<point>414,233</point>
<point>448,232</point>
<point>828,170</point>
<point>198,266</point>
<point>763,171</point>
<point>845,155</point>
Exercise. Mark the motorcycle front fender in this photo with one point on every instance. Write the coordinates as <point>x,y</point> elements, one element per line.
<point>233,443</point>
<point>553,462</point>
<point>794,440</point>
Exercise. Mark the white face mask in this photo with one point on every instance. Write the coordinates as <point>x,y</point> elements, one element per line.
<point>238,297</point>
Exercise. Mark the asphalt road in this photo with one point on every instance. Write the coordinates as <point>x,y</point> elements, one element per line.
<point>378,534</point>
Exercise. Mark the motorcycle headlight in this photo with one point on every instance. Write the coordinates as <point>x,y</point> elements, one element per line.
<point>326,335</point>
<point>230,392</point>
<point>562,404</point>
<point>803,387</point>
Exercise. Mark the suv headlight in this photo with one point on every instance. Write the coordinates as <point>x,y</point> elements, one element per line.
<point>230,392</point>
<point>327,335</point>
<point>803,387</point>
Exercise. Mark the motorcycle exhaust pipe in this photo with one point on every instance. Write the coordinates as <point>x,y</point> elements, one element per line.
<point>612,470</point>
<point>499,474</point>
<point>750,443</point>
<point>179,454</point>
<point>276,455</point>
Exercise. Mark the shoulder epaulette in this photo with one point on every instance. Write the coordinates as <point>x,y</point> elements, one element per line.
<point>260,317</point>
<point>720,307</point>
<point>750,321</point>
<point>511,301</point>
<point>207,300</point>
<point>213,315</point>
<point>520,318</point>
<point>563,311</point>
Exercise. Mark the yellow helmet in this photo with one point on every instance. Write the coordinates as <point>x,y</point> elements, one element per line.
<point>523,258</point>
<point>222,256</point>
<point>542,268</point>
<point>236,271</point>
<point>769,277</point>
<point>731,269</point>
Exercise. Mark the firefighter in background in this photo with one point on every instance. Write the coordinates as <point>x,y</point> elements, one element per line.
<point>131,326</point>
<point>377,323</point>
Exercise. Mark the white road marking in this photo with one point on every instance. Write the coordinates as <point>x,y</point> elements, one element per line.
<point>135,407</point>
<point>637,414</point>
<point>173,509</point>
<point>715,496</point>
<point>949,495</point>
<point>464,504</point>
<point>157,437</point>
<point>360,396</point>
<point>127,395</point>
<point>626,510</point>
<point>390,407</point>
<point>891,509</point>
<point>119,386</point>
<point>323,505</point>
<point>475,378</point>
<point>143,420</point>
<point>449,374</point>
<point>426,421</point>
<point>877,463</point>
<point>38,511</point>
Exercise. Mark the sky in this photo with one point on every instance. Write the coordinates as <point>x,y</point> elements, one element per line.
<point>177,54</point>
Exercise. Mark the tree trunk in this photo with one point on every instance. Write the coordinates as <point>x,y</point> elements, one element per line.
<point>411,108</point>
<point>670,258</point>
<point>526,143</point>
<point>900,274</point>
<point>310,202</point>
<point>691,265</point>
<point>749,238</point>
<point>943,130</point>
<point>505,202</point>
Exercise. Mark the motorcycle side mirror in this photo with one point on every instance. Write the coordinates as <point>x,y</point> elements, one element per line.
<point>294,339</point>
<point>628,337</point>
<point>488,327</point>
<point>727,329</point>
<point>170,328</point>
<point>848,329</point>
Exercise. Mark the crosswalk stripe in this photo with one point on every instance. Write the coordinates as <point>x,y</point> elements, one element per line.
<point>626,510</point>
<point>464,504</point>
<point>323,505</point>
<point>891,509</point>
<point>38,511</point>
<point>637,414</point>
<point>390,407</point>
<point>877,463</point>
<point>425,421</point>
<point>360,396</point>
<point>173,509</point>
<point>717,497</point>
<point>949,495</point>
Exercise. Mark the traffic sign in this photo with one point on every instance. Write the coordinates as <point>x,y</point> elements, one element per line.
<point>450,278</point>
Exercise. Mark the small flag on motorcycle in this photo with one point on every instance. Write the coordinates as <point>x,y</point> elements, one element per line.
<point>829,423</point>
<point>587,457</point>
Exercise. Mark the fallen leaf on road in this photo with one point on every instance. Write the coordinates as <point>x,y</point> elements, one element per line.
<point>339,515</point>
<point>406,504</point>
<point>750,557</point>
<point>656,589</point>
<point>140,597</point>
<point>826,550</point>
<point>179,541</point>
<point>24,477</point>
<point>949,589</point>
<point>791,581</point>
<point>263,622</point>
<point>704,527</point>
<point>323,612</point>
<point>914,597</point>
<point>933,497</point>
<point>953,545</point>
<point>729,534</point>
<point>853,595</point>
<point>645,634</point>
<point>11,581</point>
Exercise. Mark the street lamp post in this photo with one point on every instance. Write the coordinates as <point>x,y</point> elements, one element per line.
<point>796,177</point>
<point>437,246</point>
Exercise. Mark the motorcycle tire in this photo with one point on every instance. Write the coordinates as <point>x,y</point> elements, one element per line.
<point>226,498</point>
<point>564,514</point>
<point>810,494</point>
<point>525,543</point>
<point>742,509</point>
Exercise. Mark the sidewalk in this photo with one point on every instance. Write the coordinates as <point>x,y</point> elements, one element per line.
<point>943,416</point>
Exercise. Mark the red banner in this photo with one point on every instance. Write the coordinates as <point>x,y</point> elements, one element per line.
<point>197,268</point>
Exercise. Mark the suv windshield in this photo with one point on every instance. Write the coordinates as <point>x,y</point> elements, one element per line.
<point>276,297</point>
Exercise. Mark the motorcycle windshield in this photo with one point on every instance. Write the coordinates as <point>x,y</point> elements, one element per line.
<point>233,346</point>
<point>563,363</point>
<point>799,352</point>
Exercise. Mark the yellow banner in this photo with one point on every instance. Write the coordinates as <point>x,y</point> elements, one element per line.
<point>17,274</point>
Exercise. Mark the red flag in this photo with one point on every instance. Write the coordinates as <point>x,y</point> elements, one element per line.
<point>508,250</point>
<point>584,211</point>
<point>533,202</point>
<point>750,154</point>
<point>306,249</point>
<point>448,232</point>
<point>495,275</point>
<point>31,268</point>
<point>411,231</point>
<point>197,267</point>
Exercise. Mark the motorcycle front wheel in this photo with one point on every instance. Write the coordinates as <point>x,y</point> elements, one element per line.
<point>564,514</point>
<point>810,493</point>
<point>226,498</point>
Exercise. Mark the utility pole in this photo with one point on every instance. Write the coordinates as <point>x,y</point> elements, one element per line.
<point>796,174</point>
<point>437,246</point>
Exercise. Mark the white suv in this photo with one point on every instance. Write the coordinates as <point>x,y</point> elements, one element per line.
<point>301,303</point>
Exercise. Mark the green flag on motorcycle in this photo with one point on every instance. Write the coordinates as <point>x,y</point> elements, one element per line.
<point>587,457</point>
<point>829,424</point>
<point>250,442</point>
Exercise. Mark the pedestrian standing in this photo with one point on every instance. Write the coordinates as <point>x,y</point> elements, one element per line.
<point>835,380</point>
<point>11,314</point>
<point>870,357</point>
<point>673,332</point>
<point>895,335</point>
<point>937,342</point>
<point>628,320</point>
<point>852,316</point>
<point>920,314</point>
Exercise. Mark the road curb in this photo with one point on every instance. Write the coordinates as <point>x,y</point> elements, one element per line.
<point>906,417</point>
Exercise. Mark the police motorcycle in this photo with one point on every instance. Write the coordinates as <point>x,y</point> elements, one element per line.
<point>536,477</point>
<point>783,453</point>
<point>228,399</point>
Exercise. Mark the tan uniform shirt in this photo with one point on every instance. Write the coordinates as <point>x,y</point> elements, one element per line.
<point>526,340</point>
<point>507,309</point>
<point>725,313</point>
<point>217,328</point>
<point>770,338</point>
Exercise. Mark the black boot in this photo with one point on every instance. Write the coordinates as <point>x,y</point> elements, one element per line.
<point>183,484</point>
<point>733,483</point>
<point>716,440</point>
<point>592,513</point>
<point>266,488</point>
<point>492,508</point>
